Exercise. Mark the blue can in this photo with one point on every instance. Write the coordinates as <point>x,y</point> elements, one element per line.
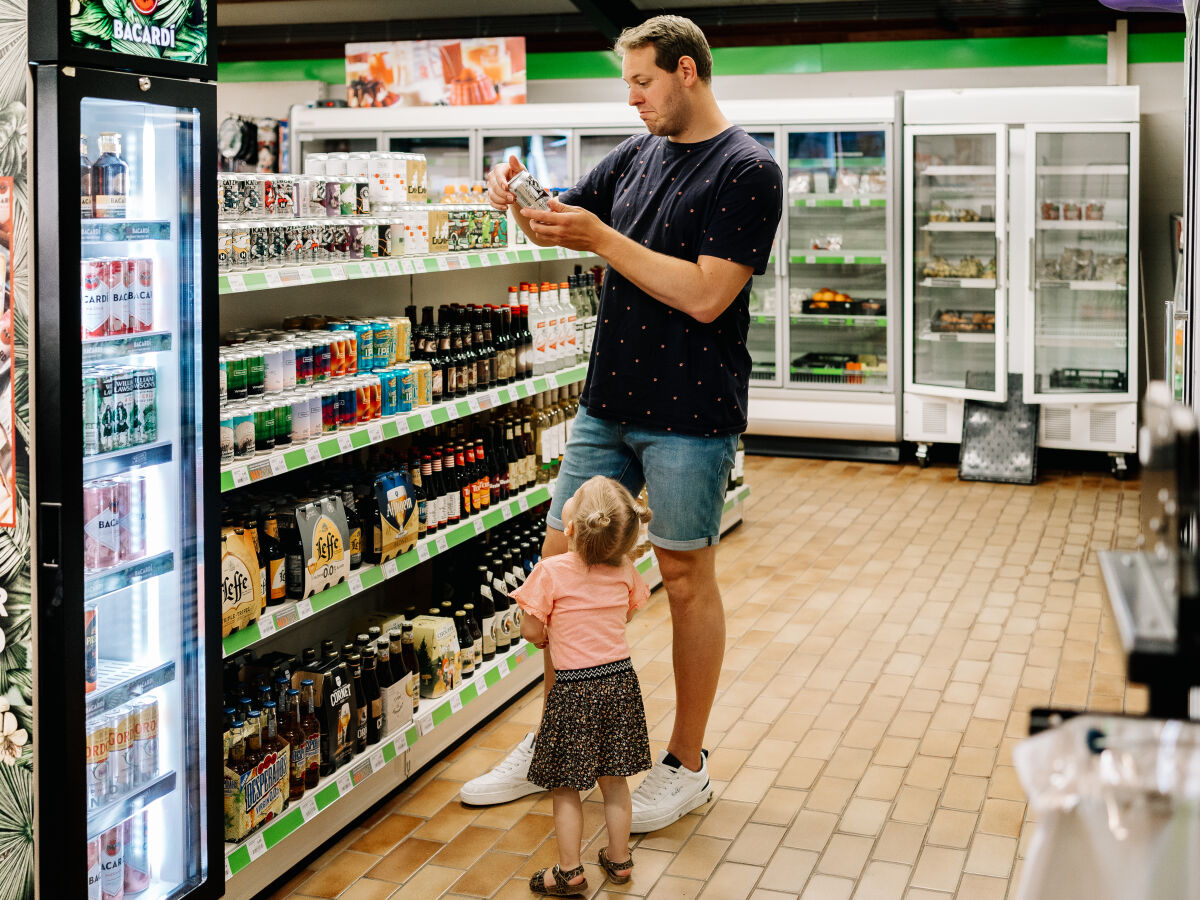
<point>406,387</point>
<point>348,407</point>
<point>387,392</point>
<point>331,401</point>
<point>384,344</point>
<point>365,336</point>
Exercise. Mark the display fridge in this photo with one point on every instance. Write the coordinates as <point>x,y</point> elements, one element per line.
<point>127,647</point>
<point>1021,224</point>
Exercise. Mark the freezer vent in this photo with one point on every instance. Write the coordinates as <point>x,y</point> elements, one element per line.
<point>933,418</point>
<point>1056,423</point>
<point>1103,425</point>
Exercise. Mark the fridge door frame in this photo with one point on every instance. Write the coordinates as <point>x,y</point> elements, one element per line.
<point>57,482</point>
<point>784,256</point>
<point>1028,290</point>
<point>1000,132</point>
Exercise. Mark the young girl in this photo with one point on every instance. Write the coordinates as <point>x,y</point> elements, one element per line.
<point>594,726</point>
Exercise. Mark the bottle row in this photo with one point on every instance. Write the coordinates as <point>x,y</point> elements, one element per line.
<point>103,184</point>
<point>289,721</point>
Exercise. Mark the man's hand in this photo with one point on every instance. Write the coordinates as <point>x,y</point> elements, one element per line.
<point>572,227</point>
<point>498,178</point>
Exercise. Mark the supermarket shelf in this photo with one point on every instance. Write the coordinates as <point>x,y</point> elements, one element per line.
<point>960,226</point>
<point>117,462</point>
<point>128,345</point>
<point>277,618</point>
<point>290,276</point>
<point>113,230</point>
<point>838,321</point>
<point>1068,335</point>
<point>962,337</point>
<point>1080,225</point>
<point>983,283</point>
<point>116,812</point>
<point>840,201</point>
<point>108,581</point>
<point>1083,170</point>
<point>244,472</point>
<point>839,258</point>
<point>830,162</point>
<point>1048,284</point>
<point>118,682</point>
<point>943,171</point>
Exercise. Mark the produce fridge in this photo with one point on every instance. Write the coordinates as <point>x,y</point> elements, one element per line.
<point>1021,225</point>
<point>127,645</point>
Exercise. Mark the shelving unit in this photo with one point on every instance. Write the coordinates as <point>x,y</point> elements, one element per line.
<point>839,321</point>
<point>1080,225</point>
<point>839,258</point>
<point>985,227</point>
<point>965,337</point>
<point>986,284</point>
<point>839,201</point>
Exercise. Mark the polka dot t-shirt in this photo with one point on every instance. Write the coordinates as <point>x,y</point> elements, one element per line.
<point>652,365</point>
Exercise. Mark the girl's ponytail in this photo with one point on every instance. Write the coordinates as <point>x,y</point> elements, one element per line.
<point>606,521</point>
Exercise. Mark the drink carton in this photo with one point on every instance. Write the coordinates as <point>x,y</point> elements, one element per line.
<point>241,590</point>
<point>396,522</point>
<point>333,696</point>
<point>325,539</point>
<point>437,654</point>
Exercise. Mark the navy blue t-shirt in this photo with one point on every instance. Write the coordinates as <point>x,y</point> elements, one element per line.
<point>652,365</point>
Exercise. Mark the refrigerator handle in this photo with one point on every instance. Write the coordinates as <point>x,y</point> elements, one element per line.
<point>50,535</point>
<point>1031,264</point>
<point>1001,263</point>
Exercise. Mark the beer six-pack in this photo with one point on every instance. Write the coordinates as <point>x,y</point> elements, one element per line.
<point>117,297</point>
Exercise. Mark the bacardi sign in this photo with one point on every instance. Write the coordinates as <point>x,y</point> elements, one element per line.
<point>174,30</point>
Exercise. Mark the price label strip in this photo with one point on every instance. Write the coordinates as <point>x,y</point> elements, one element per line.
<point>345,784</point>
<point>377,762</point>
<point>356,585</point>
<point>440,543</point>
<point>266,625</point>
<point>422,552</point>
<point>425,724</point>
<point>307,276</point>
<point>257,846</point>
<point>391,569</point>
<point>241,476</point>
<point>313,453</point>
<point>278,464</point>
<point>304,608</point>
<point>308,808</point>
<point>375,432</point>
<point>455,702</point>
<point>344,442</point>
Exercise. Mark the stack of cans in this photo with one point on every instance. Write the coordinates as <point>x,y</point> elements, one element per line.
<point>117,296</point>
<point>120,408</point>
<point>114,521</point>
<point>122,751</point>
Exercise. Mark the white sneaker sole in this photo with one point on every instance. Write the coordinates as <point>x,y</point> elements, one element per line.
<point>490,796</point>
<point>642,826</point>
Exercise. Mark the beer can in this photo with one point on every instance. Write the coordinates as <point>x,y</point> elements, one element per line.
<point>337,355</point>
<point>362,390</point>
<point>347,195</point>
<point>235,369</point>
<point>121,286</point>
<point>287,353</point>
<point>91,415</point>
<point>355,240</point>
<point>358,163</point>
<point>350,336</point>
<point>252,198</point>
<point>243,431</point>
<point>322,357</point>
<point>399,166</point>
<point>370,239</point>
<point>283,422</point>
<point>141,307</point>
<point>300,426</point>
<point>316,405</point>
<point>314,163</point>
<point>331,402</point>
<point>120,755</point>
<point>424,382</point>
<point>272,369</point>
<point>226,436</point>
<point>147,738</point>
<point>376,396</point>
<point>123,400</point>
<point>91,645</point>
<point>144,423</point>
<point>384,228</point>
<point>384,349</point>
<point>222,378</point>
<point>337,163</point>
<point>99,742</point>
<point>403,333</point>
<point>294,250</point>
<point>255,372</point>
<point>347,406</point>
<point>304,361</point>
<point>339,244</point>
<point>364,341</point>
<point>362,195</point>
<point>397,241</point>
<point>264,428</point>
<point>260,239</point>
<point>276,244</point>
<point>229,196</point>
<point>406,387</point>
<point>224,247</point>
<point>131,509</point>
<point>135,835</point>
<point>387,395</point>
<point>93,875</point>
<point>112,864</point>
<point>379,173</point>
<point>285,195</point>
<point>333,196</point>
<point>107,414</point>
<point>101,525</point>
<point>529,194</point>
<point>239,255</point>
<point>95,296</point>
<point>267,185</point>
<point>316,206</point>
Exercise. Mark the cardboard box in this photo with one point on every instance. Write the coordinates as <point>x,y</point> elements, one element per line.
<point>333,696</point>
<point>396,524</point>
<point>241,587</point>
<point>254,797</point>
<point>437,655</point>
<point>326,542</point>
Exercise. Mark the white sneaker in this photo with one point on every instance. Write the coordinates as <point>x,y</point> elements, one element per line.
<point>669,793</point>
<point>508,781</point>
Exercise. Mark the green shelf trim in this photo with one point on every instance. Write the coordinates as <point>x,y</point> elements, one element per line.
<point>838,203</point>
<point>239,859</point>
<point>1156,48</point>
<point>492,676</point>
<point>469,693</point>
<point>282,827</point>
<point>441,714</point>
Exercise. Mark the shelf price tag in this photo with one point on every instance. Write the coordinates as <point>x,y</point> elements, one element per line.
<point>393,266</point>
<point>304,608</point>
<point>479,529</point>
<point>375,432</point>
<point>440,543</point>
<point>508,511</point>
<point>356,585</point>
<point>228,871</point>
<point>391,569</point>
<point>313,452</point>
<point>406,265</point>
<point>344,443</point>
<point>455,702</point>
<point>237,283</point>
<point>377,762</point>
<point>307,276</point>
<point>427,418</point>
<point>481,683</point>
<point>425,724</point>
<point>273,279</point>
<point>380,267</point>
<point>345,784</point>
<point>241,476</point>
<point>257,846</point>
<point>443,264</point>
<point>422,552</point>
<point>266,625</point>
<point>473,403</point>
<point>308,808</point>
<point>523,503</point>
<point>278,464</point>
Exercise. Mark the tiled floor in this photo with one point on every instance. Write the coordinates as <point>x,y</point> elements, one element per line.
<point>888,630</point>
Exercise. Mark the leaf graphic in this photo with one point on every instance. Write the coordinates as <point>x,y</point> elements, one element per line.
<point>16,832</point>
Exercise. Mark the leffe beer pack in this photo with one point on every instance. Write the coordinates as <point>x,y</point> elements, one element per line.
<point>241,587</point>
<point>325,548</point>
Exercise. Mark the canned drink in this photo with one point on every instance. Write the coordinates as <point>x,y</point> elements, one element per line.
<point>337,163</point>
<point>403,338</point>
<point>144,423</point>
<point>255,373</point>
<point>397,241</point>
<point>376,397</point>
<point>120,755</point>
<point>316,404</point>
<point>379,173</point>
<point>91,645</point>
<point>314,163</point>
<point>355,244</point>
<point>364,342</point>
<point>223,378</point>
<point>123,401</point>
<point>272,369</point>
<point>333,196</point>
<point>285,195</point>
<point>99,741</point>
<point>112,864</point>
<point>95,297</point>
<point>252,197</point>
<point>347,196</point>
<point>350,337</point>
<point>362,195</point>
<point>304,361</point>
<point>310,242</point>
<point>267,185</point>
<point>264,429</point>
<point>529,194</point>
<point>276,245</point>
<point>331,401</point>
<point>293,236</point>
<point>229,196</point>
<point>235,376</point>
<point>224,248</point>
<point>348,406</point>
<point>384,350</point>
<point>131,506</point>
<point>399,181</point>
<point>384,230</point>
<point>260,239</point>
<point>322,358</point>
<point>91,415</point>
<point>337,355</point>
<point>388,405</point>
<point>146,736</point>
<point>318,206</point>
<point>406,387</point>
<point>107,412</point>
<point>283,423</point>
<point>141,306</point>
<point>287,353</point>
<point>358,163</point>
<point>112,280</point>
<point>370,240</point>
<point>239,255</point>
<point>299,419</point>
<point>243,432</point>
<point>93,875</point>
<point>135,835</point>
<point>339,245</point>
<point>226,436</point>
<point>362,390</point>
<point>424,382</point>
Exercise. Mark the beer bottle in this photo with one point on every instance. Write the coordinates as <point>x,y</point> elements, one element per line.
<point>312,734</point>
<point>485,613</point>
<point>271,741</point>
<point>453,495</point>
<point>503,623</point>
<point>361,711</point>
<point>409,655</point>
<point>282,683</point>
<point>484,474</point>
<point>292,731</point>
<point>395,656</point>
<point>354,526</point>
<point>476,634</point>
<point>293,553</point>
<point>513,457</point>
<point>254,751</point>
<point>374,696</point>
<point>263,563</point>
<point>429,489</point>
<point>442,504</point>
<point>237,761</point>
<point>466,644</point>
<point>465,493</point>
<point>272,549</point>
<point>414,476</point>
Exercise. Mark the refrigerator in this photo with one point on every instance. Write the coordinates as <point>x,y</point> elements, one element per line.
<point>127,645</point>
<point>1021,249</point>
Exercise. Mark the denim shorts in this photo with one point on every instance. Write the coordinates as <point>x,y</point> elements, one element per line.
<point>685,475</point>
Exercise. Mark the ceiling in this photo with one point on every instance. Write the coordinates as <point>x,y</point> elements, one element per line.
<point>316,29</point>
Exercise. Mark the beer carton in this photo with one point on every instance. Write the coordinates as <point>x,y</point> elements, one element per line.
<point>241,588</point>
<point>326,542</point>
<point>396,524</point>
<point>437,655</point>
<point>333,696</point>
<point>439,230</point>
<point>397,705</point>
<point>255,796</point>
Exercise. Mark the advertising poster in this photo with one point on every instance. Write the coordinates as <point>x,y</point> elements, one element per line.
<point>472,72</point>
<point>162,29</point>
<point>8,468</point>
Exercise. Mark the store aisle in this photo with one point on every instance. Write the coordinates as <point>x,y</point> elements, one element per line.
<point>889,628</point>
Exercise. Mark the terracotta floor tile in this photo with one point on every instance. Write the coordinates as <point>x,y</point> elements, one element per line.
<point>466,847</point>
<point>1002,817</point>
<point>938,869</point>
<point>779,806</point>
<point>882,881</point>
<point>845,856</point>
<point>387,834</point>
<point>951,828</point>
<point>894,751</point>
<point>900,842</point>
<point>338,874</point>
<point>811,830</point>
<point>848,762</point>
<point>369,889</point>
<point>431,881</point>
<point>671,888</point>
<point>914,805</point>
<point>991,855</point>
<point>490,870</point>
<point>760,894</point>
<point>788,869</point>
<point>979,887</point>
<point>288,887</point>
<point>964,792</point>
<point>526,835</point>
<point>731,881</point>
<point>826,887</point>
<point>673,837</point>
<point>830,794</point>
<point>750,785</point>
<point>726,818</point>
<point>447,822</point>
<point>755,844</point>
<point>799,772</point>
<point>880,783</point>
<point>698,857</point>
<point>431,798</point>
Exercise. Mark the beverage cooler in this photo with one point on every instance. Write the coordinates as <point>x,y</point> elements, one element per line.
<point>1021,227</point>
<point>127,642</point>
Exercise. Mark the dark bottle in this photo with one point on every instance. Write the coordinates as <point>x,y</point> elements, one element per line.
<point>263,563</point>
<point>466,475</point>
<point>272,743</point>
<point>354,526</point>
<point>282,684</point>
<point>361,643</point>
<point>443,502</point>
<point>476,633</point>
<point>487,342</point>
<point>293,558</point>
<point>396,656</point>
<point>449,362</point>
<point>361,711</point>
<point>110,177</point>
<point>453,494</point>
<point>291,731</point>
<point>409,655</point>
<point>429,489</point>
<point>500,460</point>
<point>487,496</point>
<point>466,644</point>
<point>516,453</point>
<point>370,678</point>
<point>383,667</point>
<point>485,612</point>
<point>433,356</point>
<point>505,349</point>
<point>236,757</point>
<point>470,352</point>
<point>272,548</point>
<point>253,732</point>
<point>526,343</point>
<point>478,489</point>
<point>503,617</point>
<point>418,485</point>
<point>85,180</point>
<point>312,734</point>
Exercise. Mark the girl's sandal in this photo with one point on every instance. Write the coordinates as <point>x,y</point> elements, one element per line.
<point>562,882</point>
<point>611,868</point>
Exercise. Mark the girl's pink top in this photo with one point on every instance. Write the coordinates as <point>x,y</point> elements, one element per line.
<point>584,610</point>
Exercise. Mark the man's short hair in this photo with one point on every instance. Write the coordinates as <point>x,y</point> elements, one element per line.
<point>673,37</point>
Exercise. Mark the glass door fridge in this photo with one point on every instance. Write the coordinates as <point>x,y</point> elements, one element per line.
<point>544,153</point>
<point>954,292</point>
<point>128,643</point>
<point>1080,322</point>
<point>449,158</point>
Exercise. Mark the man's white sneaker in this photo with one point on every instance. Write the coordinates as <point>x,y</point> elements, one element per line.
<point>669,792</point>
<point>508,781</point>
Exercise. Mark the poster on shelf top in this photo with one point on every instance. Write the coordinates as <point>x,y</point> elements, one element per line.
<point>473,72</point>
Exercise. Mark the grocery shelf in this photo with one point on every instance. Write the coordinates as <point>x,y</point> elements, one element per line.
<point>1084,170</point>
<point>1080,225</point>
<point>962,337</point>
<point>101,349</point>
<point>983,283</point>
<point>831,162</point>
<point>290,276</point>
<point>116,812</point>
<point>117,462</point>
<point>1076,334</point>
<point>943,171</point>
<point>1081,285</point>
<point>960,226</point>
<point>124,230</point>
<point>245,472</point>
<point>823,319</point>
<point>839,257</point>
<point>118,682</point>
<point>277,618</point>
<point>108,581</point>
<point>840,201</point>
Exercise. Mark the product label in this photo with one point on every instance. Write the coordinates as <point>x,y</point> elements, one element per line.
<point>277,580</point>
<point>108,206</point>
<point>327,548</point>
<point>104,527</point>
<point>257,796</point>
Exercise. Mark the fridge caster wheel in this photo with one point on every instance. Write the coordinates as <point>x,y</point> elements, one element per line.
<point>1120,469</point>
<point>923,455</point>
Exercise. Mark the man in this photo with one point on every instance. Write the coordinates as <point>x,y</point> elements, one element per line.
<point>683,216</point>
